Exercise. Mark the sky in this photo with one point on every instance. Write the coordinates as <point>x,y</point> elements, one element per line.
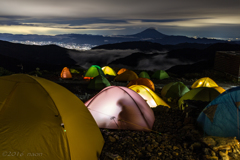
<point>200,18</point>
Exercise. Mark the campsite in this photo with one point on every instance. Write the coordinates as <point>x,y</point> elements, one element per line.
<point>132,114</point>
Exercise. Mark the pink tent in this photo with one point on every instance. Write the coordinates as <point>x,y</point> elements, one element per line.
<point>117,107</point>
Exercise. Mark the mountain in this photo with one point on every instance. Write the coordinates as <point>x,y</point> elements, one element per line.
<point>149,34</point>
<point>50,57</point>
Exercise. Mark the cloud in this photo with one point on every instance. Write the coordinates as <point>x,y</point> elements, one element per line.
<point>103,57</point>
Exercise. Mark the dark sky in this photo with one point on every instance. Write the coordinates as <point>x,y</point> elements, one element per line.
<point>202,18</point>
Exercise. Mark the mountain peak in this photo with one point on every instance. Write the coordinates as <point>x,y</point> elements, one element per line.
<point>149,33</point>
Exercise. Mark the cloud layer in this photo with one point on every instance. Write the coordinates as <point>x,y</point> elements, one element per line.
<point>185,17</point>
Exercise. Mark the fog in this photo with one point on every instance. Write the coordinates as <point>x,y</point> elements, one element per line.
<point>103,57</point>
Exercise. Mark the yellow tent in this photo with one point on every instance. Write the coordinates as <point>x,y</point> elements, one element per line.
<point>41,118</point>
<point>66,73</point>
<point>126,76</point>
<point>108,70</point>
<point>204,82</point>
<point>153,100</point>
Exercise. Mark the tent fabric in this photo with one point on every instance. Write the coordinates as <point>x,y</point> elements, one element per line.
<point>152,99</point>
<point>174,90</point>
<point>221,116</point>
<point>72,70</point>
<point>121,70</point>
<point>142,81</point>
<point>199,94</point>
<point>109,71</point>
<point>204,82</point>
<point>144,74</point>
<point>32,110</point>
<point>126,76</point>
<point>160,74</point>
<point>220,89</point>
<point>66,73</point>
<point>93,71</point>
<point>117,107</point>
<point>98,83</point>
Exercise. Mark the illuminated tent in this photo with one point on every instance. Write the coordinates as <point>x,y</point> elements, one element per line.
<point>152,99</point>
<point>144,74</point>
<point>160,74</point>
<point>40,116</point>
<point>66,73</point>
<point>108,71</point>
<point>121,71</point>
<point>199,94</point>
<point>93,71</point>
<point>98,83</point>
<point>126,76</point>
<point>142,81</point>
<point>174,90</point>
<point>117,107</point>
<point>204,82</point>
<point>221,116</point>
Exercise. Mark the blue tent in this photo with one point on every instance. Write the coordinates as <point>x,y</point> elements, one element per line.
<point>221,116</point>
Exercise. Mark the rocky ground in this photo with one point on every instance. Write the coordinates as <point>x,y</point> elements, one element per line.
<point>175,134</point>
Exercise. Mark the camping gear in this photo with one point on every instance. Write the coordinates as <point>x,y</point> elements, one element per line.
<point>204,82</point>
<point>200,94</point>
<point>117,107</point>
<point>149,96</point>
<point>174,90</point>
<point>66,73</point>
<point>93,71</point>
<point>144,74</point>
<point>108,71</point>
<point>160,74</point>
<point>142,81</point>
<point>98,83</point>
<point>39,116</point>
<point>126,76</point>
<point>221,116</point>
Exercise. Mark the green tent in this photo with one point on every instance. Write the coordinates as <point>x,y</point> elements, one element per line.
<point>93,71</point>
<point>72,70</point>
<point>160,74</point>
<point>98,83</point>
<point>199,94</point>
<point>174,90</point>
<point>144,74</point>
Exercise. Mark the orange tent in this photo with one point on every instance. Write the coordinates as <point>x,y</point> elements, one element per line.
<point>121,71</point>
<point>142,81</point>
<point>117,107</point>
<point>66,73</point>
<point>126,76</point>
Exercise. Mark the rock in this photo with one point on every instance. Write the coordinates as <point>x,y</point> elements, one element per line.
<point>175,148</point>
<point>175,154</point>
<point>207,157</point>
<point>112,139</point>
<point>111,156</point>
<point>195,145</point>
<point>223,155</point>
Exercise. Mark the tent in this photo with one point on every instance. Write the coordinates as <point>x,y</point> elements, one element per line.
<point>149,96</point>
<point>121,71</point>
<point>126,76</point>
<point>199,94</point>
<point>66,73</point>
<point>142,81</point>
<point>160,74</point>
<point>72,70</point>
<point>40,116</point>
<point>221,116</point>
<point>204,82</point>
<point>98,83</point>
<point>174,90</point>
<point>93,71</point>
<point>144,74</point>
<point>117,107</point>
<point>108,71</point>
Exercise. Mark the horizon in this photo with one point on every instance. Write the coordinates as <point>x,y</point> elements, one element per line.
<point>108,18</point>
